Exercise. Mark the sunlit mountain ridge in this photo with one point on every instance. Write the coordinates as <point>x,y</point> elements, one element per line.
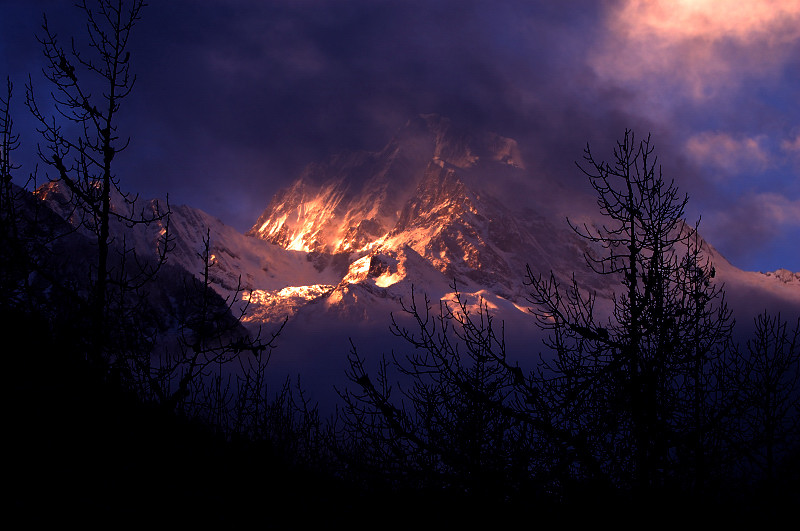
<point>341,250</point>
<point>348,240</point>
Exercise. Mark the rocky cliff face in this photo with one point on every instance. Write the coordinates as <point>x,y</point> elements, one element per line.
<point>417,212</point>
<point>351,200</point>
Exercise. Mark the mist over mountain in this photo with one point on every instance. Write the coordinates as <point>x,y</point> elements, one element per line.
<point>434,210</point>
<point>430,197</point>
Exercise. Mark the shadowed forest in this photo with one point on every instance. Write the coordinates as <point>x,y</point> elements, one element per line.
<point>138,394</point>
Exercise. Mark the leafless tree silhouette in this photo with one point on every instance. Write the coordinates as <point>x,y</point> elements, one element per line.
<point>81,143</point>
<point>643,381</point>
<point>447,422</point>
<point>767,429</point>
<point>196,373</point>
<point>636,400</point>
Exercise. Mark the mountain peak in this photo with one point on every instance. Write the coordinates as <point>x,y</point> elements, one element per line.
<point>348,201</point>
<point>460,146</point>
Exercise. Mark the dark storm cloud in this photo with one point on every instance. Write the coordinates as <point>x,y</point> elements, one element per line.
<point>257,90</point>
<point>234,97</point>
<point>244,94</point>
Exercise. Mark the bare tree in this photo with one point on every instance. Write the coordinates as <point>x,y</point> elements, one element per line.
<point>631,399</point>
<point>197,373</point>
<point>448,421</point>
<point>26,228</point>
<point>9,229</point>
<point>82,142</point>
<point>215,368</point>
<point>767,428</point>
<point>640,380</point>
<point>9,141</point>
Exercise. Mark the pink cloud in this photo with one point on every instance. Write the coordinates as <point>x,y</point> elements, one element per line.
<point>792,146</point>
<point>779,209</point>
<point>700,47</point>
<point>773,209</point>
<point>710,19</point>
<point>732,154</point>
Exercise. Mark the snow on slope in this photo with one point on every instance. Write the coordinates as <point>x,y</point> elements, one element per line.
<point>438,228</point>
<point>342,247</point>
<point>273,280</point>
<point>352,235</point>
<point>345,203</point>
<point>448,227</point>
<point>241,267</point>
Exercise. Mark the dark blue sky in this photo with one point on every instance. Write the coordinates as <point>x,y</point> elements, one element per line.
<point>234,97</point>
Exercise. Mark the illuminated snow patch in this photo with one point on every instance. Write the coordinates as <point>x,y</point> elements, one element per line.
<point>485,300</point>
<point>297,244</point>
<point>525,309</point>
<point>384,281</point>
<point>358,270</point>
<point>307,293</point>
<point>273,306</point>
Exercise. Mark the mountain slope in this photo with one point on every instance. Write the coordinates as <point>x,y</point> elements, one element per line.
<point>343,247</point>
<point>350,200</point>
<point>423,212</point>
<point>356,232</point>
<point>417,212</point>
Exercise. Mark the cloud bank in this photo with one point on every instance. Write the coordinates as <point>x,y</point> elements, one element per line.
<point>234,98</point>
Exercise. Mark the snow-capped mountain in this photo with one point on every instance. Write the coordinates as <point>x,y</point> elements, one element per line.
<point>346,203</point>
<point>341,248</point>
<point>417,213</point>
<point>352,235</point>
<point>421,212</point>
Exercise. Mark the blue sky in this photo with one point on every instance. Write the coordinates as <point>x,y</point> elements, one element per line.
<point>234,97</point>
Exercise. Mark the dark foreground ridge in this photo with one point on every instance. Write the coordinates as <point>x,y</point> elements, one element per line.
<point>86,450</point>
